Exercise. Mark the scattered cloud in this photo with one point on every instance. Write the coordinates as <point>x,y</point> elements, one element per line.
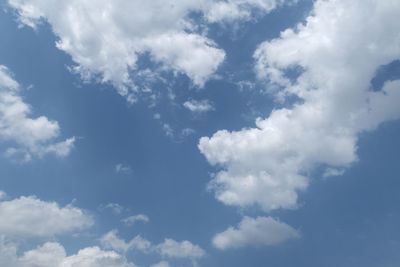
<point>105,40</point>
<point>25,136</point>
<point>242,10</point>
<point>161,264</point>
<point>123,169</point>
<point>136,218</point>
<point>168,130</point>
<point>112,241</point>
<point>157,116</point>
<point>188,131</point>
<point>329,172</point>
<point>199,105</point>
<point>32,217</point>
<point>114,207</point>
<point>53,254</point>
<point>184,249</point>
<point>339,48</point>
<point>261,231</point>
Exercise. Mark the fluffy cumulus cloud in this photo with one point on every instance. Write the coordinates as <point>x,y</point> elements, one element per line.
<point>261,231</point>
<point>32,217</point>
<point>112,241</point>
<point>106,38</point>
<point>29,217</point>
<point>26,136</point>
<point>53,254</point>
<point>338,50</point>
<point>184,249</point>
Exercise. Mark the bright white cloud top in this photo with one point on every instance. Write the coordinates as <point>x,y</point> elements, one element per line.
<point>261,231</point>
<point>26,136</point>
<point>339,48</point>
<point>105,38</point>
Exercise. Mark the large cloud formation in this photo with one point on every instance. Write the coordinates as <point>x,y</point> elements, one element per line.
<point>339,48</point>
<point>25,136</point>
<point>105,38</point>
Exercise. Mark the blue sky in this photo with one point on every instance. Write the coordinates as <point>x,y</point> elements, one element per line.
<point>199,133</point>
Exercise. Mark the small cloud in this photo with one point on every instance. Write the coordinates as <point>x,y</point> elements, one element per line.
<point>161,264</point>
<point>168,130</point>
<point>199,106</point>
<point>121,168</point>
<point>114,207</point>
<point>111,241</point>
<point>329,172</point>
<point>136,218</point>
<point>184,249</point>
<point>188,131</point>
<point>157,116</point>
<point>261,231</point>
<point>3,195</point>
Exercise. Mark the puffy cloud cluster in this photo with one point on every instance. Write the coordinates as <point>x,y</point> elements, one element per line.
<point>169,248</point>
<point>339,49</point>
<point>105,38</point>
<point>53,254</point>
<point>26,218</point>
<point>112,241</point>
<point>261,231</point>
<point>26,136</point>
<point>32,217</point>
<point>184,249</point>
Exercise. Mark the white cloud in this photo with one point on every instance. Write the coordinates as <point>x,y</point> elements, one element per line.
<point>187,132</point>
<point>28,217</point>
<point>184,249</point>
<point>199,105</point>
<point>32,217</point>
<point>332,172</point>
<point>232,10</point>
<point>26,136</point>
<point>135,218</point>
<point>261,231</point>
<point>114,207</point>
<point>121,168</point>
<point>161,264</point>
<point>53,254</point>
<point>105,38</point>
<point>339,48</point>
<point>3,195</point>
<point>168,130</point>
<point>112,241</point>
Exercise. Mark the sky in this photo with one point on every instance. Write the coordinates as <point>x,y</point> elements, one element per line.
<point>174,133</point>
